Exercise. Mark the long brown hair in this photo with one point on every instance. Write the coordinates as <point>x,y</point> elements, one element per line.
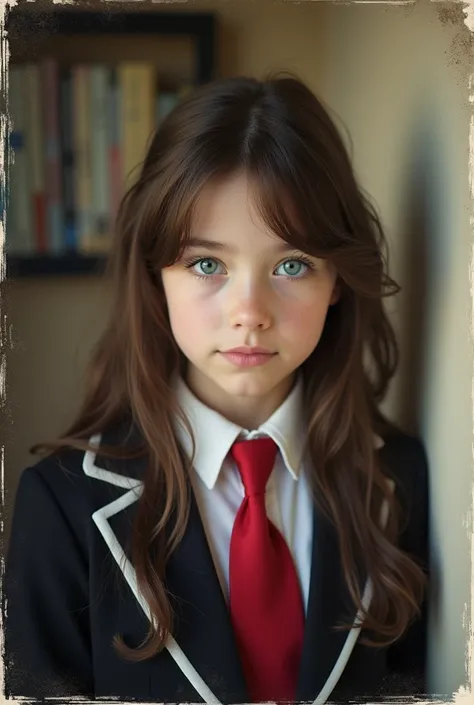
<point>284,140</point>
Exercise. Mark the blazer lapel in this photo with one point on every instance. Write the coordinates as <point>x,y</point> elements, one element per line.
<point>204,629</point>
<point>326,650</point>
<point>202,644</point>
<point>328,602</point>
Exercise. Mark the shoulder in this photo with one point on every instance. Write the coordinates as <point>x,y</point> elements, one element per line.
<point>404,461</point>
<point>75,483</point>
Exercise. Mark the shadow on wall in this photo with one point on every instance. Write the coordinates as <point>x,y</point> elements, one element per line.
<point>422,204</point>
<point>427,254</point>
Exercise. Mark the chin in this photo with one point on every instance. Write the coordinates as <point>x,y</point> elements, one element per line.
<point>248,384</point>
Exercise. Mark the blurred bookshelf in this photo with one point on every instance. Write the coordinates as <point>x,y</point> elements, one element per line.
<point>87,88</point>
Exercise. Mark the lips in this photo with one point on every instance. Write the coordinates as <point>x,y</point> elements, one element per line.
<point>247,359</point>
<point>249,351</point>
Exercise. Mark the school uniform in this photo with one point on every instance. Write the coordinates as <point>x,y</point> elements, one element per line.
<point>70,583</point>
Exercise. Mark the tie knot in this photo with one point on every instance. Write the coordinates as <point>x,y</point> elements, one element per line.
<point>255,460</point>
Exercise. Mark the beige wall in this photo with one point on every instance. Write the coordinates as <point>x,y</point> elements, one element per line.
<point>406,108</point>
<point>378,67</point>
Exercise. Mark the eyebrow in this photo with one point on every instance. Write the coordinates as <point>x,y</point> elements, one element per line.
<point>214,245</point>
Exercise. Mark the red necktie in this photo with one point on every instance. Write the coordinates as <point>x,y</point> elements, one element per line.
<point>265,598</point>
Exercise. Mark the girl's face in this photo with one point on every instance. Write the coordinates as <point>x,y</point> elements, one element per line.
<point>244,287</point>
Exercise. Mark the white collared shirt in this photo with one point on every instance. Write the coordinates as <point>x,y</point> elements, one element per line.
<point>219,489</point>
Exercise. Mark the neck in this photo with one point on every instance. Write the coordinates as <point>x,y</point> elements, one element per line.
<point>248,412</point>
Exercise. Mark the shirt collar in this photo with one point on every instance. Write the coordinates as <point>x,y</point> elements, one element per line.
<point>214,434</point>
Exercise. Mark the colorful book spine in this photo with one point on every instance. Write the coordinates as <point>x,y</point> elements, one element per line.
<point>99,84</point>
<point>82,150</point>
<point>67,159</point>
<point>19,234</point>
<point>166,102</point>
<point>36,155</point>
<point>54,204</point>
<point>138,84</point>
<point>115,166</point>
<point>80,136</point>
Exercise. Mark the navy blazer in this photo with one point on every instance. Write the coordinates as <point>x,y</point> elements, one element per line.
<point>70,588</point>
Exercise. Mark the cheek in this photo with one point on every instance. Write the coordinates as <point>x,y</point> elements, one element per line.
<point>191,315</point>
<point>304,321</point>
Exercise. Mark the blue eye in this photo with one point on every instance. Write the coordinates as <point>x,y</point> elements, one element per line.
<point>204,263</point>
<point>292,267</point>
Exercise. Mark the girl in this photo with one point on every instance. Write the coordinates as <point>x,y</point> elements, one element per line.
<point>231,518</point>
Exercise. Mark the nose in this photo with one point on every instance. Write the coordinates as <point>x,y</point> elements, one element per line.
<point>250,306</point>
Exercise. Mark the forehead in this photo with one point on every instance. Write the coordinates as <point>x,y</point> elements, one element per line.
<point>224,201</point>
<point>226,211</point>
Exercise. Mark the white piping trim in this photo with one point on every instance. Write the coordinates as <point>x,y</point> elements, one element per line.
<point>353,635</point>
<point>91,469</point>
<point>101,517</point>
<point>135,487</point>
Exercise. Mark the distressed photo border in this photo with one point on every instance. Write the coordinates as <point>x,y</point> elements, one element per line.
<point>459,13</point>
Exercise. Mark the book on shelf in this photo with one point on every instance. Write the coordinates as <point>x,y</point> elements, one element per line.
<point>53,190</point>
<point>166,101</point>
<point>82,143</point>
<point>138,88</point>
<point>20,212</point>
<point>79,135</point>
<point>36,155</point>
<point>115,140</point>
<point>67,158</point>
<point>100,201</point>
